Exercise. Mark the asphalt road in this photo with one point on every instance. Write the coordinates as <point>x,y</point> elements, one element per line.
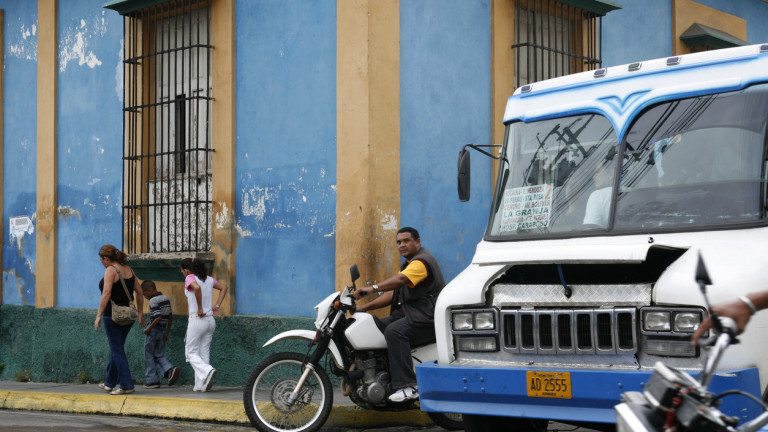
<point>30,421</point>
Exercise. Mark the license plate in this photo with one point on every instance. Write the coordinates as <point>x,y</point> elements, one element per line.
<point>549,384</point>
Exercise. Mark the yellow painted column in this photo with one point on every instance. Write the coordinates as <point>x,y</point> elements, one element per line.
<point>502,68</point>
<point>687,12</point>
<point>47,174</point>
<point>368,146</point>
<point>223,132</point>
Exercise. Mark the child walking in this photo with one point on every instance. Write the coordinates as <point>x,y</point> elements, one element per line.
<point>157,336</point>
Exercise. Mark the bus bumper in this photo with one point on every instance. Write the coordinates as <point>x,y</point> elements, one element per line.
<point>503,391</point>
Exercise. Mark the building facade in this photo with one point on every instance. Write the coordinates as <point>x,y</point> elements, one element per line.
<point>281,141</point>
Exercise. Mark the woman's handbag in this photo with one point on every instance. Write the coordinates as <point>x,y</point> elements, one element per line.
<point>124,315</point>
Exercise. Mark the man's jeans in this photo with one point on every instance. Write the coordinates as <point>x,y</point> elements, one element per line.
<point>118,372</point>
<point>154,356</point>
<point>401,336</point>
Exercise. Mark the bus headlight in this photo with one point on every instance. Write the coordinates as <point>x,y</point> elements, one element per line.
<point>462,321</point>
<point>476,320</point>
<point>656,321</point>
<point>686,322</point>
<point>485,321</point>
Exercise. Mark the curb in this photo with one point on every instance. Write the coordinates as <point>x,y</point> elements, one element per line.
<point>203,410</point>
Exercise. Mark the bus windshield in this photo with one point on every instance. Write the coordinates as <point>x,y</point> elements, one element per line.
<point>688,163</point>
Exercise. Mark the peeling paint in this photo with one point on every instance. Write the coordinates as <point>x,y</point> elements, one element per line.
<point>332,233</point>
<point>254,202</point>
<point>19,226</point>
<point>242,232</point>
<point>67,212</point>
<point>223,218</point>
<point>23,44</point>
<point>74,44</point>
<point>389,222</point>
<point>119,72</point>
<point>20,285</point>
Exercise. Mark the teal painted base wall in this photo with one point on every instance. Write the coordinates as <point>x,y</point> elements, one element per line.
<point>59,344</point>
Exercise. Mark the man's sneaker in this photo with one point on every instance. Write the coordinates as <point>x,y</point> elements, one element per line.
<point>404,394</point>
<point>152,386</point>
<point>208,383</point>
<point>119,391</point>
<point>173,375</point>
<point>105,388</point>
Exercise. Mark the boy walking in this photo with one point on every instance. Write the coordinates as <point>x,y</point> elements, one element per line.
<point>157,336</point>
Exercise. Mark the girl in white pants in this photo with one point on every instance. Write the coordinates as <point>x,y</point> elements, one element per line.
<point>199,291</point>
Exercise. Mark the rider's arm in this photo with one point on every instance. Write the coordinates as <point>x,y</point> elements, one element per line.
<point>379,302</point>
<point>392,282</point>
<point>738,309</point>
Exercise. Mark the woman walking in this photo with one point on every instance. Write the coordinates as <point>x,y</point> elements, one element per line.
<point>118,380</point>
<point>198,287</point>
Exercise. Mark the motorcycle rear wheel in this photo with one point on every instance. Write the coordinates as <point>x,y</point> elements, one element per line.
<point>270,384</point>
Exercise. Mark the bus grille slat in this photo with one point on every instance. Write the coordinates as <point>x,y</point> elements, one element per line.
<point>566,331</point>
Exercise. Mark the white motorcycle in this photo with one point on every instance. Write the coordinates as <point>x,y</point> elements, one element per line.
<point>291,391</point>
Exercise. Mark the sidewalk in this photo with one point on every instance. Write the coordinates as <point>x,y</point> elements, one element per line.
<point>221,404</point>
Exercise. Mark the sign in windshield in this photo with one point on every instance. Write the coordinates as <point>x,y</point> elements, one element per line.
<point>551,169</point>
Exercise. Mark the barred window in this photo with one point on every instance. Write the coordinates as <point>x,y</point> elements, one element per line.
<point>553,39</point>
<point>167,135</point>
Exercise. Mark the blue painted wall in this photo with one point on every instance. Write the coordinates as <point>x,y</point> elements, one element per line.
<point>19,148</point>
<point>750,10</point>
<point>627,38</point>
<point>90,84</point>
<point>445,103</point>
<point>286,136</point>
<point>286,155</point>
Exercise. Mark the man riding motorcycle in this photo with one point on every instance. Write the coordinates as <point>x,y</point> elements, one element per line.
<point>412,293</point>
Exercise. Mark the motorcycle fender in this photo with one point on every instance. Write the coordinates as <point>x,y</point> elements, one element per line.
<point>307,335</point>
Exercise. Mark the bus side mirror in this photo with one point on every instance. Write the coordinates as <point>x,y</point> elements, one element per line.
<point>464,175</point>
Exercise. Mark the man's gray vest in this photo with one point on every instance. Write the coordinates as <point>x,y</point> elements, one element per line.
<point>418,303</point>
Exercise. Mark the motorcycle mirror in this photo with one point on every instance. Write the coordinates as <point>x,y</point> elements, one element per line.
<point>354,272</point>
<point>702,276</point>
<point>703,279</point>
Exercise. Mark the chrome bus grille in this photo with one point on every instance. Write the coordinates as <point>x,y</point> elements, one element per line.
<point>566,331</point>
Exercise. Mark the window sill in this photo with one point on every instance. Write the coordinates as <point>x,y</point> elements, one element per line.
<point>164,267</point>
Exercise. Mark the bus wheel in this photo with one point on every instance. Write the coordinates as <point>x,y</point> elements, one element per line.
<point>484,423</point>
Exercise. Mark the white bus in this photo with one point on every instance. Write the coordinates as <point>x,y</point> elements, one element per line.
<point>610,184</point>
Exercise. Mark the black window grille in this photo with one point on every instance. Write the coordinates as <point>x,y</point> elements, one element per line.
<point>554,39</point>
<point>167,137</point>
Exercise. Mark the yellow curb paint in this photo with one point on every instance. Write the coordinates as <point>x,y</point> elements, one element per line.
<point>190,409</point>
<point>184,408</point>
<point>64,402</point>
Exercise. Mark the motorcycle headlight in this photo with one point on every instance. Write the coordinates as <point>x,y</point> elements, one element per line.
<point>462,321</point>
<point>656,321</point>
<point>484,321</point>
<point>686,322</point>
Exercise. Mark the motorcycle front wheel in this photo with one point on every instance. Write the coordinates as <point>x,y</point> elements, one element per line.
<point>269,386</point>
